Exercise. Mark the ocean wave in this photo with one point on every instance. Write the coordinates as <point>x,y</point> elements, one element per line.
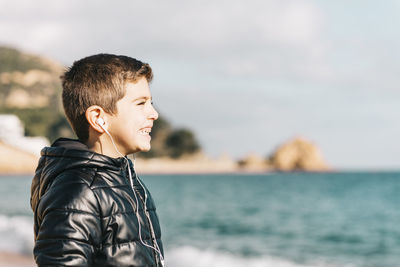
<point>194,257</point>
<point>16,234</point>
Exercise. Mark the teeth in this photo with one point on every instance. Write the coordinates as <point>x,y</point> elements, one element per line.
<point>145,131</point>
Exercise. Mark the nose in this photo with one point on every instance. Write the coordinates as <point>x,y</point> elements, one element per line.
<point>153,113</point>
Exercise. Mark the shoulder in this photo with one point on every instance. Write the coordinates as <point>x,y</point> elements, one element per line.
<point>71,191</point>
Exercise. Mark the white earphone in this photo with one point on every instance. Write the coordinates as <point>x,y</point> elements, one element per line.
<point>100,122</point>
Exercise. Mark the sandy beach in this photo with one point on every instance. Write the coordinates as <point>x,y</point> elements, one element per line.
<point>16,161</point>
<point>199,163</point>
<point>10,259</point>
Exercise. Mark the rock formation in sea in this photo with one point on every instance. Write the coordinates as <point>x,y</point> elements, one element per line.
<point>298,154</point>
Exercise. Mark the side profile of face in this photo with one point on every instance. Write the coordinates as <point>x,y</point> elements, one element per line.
<point>130,127</point>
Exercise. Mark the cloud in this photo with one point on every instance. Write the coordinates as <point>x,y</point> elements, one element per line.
<point>211,29</point>
<point>246,74</point>
<point>275,39</point>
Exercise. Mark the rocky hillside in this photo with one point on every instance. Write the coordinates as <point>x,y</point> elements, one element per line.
<point>30,87</point>
<point>28,81</point>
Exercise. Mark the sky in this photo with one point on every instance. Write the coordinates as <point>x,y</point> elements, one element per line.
<point>245,76</point>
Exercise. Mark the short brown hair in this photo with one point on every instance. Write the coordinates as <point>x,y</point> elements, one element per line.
<point>98,80</point>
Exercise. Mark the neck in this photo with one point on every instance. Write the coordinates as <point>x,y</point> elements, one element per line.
<point>103,145</point>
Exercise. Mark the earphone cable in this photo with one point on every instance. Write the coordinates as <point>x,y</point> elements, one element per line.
<point>157,248</point>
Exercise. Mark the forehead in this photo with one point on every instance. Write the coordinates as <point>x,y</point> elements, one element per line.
<point>138,89</point>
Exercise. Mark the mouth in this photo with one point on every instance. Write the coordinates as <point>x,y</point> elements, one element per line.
<point>145,131</point>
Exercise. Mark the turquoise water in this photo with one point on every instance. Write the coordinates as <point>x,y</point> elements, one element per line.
<point>296,219</point>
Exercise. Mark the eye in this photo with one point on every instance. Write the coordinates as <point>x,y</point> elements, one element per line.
<point>142,103</point>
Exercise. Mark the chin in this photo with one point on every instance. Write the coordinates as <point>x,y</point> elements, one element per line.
<point>145,149</point>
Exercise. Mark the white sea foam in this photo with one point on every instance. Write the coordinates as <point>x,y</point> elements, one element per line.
<point>194,257</point>
<point>16,234</point>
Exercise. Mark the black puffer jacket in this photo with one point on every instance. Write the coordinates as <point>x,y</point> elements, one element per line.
<point>84,210</point>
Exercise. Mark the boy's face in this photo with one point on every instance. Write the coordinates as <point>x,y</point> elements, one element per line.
<point>131,126</point>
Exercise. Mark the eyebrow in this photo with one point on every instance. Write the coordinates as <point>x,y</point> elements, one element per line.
<point>142,97</point>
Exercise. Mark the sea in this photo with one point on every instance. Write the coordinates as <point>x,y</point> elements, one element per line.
<point>253,220</point>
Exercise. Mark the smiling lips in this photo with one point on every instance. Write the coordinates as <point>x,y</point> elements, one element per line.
<point>145,131</point>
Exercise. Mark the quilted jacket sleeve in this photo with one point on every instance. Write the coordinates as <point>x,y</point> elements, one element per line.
<point>69,225</point>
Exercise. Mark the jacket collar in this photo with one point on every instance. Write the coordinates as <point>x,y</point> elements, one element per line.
<point>74,149</point>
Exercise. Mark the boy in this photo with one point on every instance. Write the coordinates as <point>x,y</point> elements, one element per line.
<point>90,208</point>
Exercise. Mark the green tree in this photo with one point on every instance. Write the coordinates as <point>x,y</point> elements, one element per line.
<point>180,142</point>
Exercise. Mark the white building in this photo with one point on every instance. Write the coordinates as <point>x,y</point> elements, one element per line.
<point>12,133</point>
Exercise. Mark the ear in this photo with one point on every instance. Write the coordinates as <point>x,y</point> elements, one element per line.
<point>93,113</point>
